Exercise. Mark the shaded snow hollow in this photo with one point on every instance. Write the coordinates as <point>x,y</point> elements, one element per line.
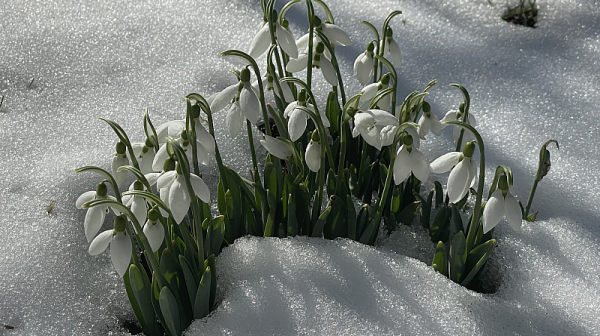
<point>114,59</point>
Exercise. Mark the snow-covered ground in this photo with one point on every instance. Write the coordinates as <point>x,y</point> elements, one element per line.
<point>64,64</point>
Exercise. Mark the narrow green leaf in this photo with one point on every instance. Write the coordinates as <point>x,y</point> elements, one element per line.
<point>440,259</point>
<point>320,224</point>
<point>190,281</point>
<point>457,258</point>
<point>168,306</point>
<point>139,285</point>
<point>210,262</point>
<point>202,301</point>
<point>476,259</point>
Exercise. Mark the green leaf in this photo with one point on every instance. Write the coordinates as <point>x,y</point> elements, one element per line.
<point>292,220</point>
<point>216,227</point>
<point>168,306</point>
<point>351,217</point>
<point>320,224</point>
<point>210,262</point>
<point>439,194</point>
<point>361,221</point>
<point>440,259</point>
<point>456,223</point>
<point>457,258</point>
<point>476,259</point>
<point>439,228</point>
<point>221,204</point>
<point>202,301</point>
<point>270,177</point>
<point>190,280</point>
<point>370,235</point>
<point>140,287</point>
<point>155,300</point>
<point>336,223</point>
<point>270,224</point>
<point>532,217</point>
<point>407,215</point>
<point>333,111</point>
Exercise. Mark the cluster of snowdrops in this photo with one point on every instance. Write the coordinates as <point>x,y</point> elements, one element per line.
<point>342,167</point>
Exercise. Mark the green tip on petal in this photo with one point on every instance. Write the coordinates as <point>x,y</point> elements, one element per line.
<point>101,190</point>
<point>120,223</point>
<point>121,148</point>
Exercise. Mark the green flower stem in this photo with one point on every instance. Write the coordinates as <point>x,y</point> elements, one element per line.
<point>465,113</point>
<point>341,162</point>
<point>251,142</point>
<point>380,50</point>
<point>394,76</point>
<point>191,131</point>
<point>311,31</point>
<point>124,139</point>
<point>538,176</point>
<point>477,209</point>
<point>271,22</point>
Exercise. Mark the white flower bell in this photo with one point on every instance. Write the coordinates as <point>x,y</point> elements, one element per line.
<point>120,245</point>
<point>364,65</point>
<point>154,230</point>
<point>370,124</point>
<point>502,204</point>
<point>94,216</point>
<point>120,159</point>
<point>456,115</point>
<point>278,147</point>
<point>371,90</point>
<point>298,118</point>
<point>320,61</point>
<point>429,122</point>
<point>464,174</point>
<point>312,156</point>
<point>391,49</point>
<point>410,159</point>
<point>262,40</point>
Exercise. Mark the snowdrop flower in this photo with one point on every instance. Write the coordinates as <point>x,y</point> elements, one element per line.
<point>429,122</point>
<point>176,129</point>
<point>268,81</point>
<point>312,156</point>
<point>363,65</point>
<point>298,118</point>
<point>456,115</point>
<point>409,158</point>
<point>262,40</point>
<point>277,147</point>
<point>154,230</point>
<point>243,100</point>
<point>144,153</point>
<point>370,123</point>
<point>174,192</point>
<point>136,202</point>
<point>120,245</point>
<point>501,204</point>
<point>463,176</point>
<point>120,159</point>
<point>391,48</point>
<point>94,216</point>
<point>371,90</point>
<point>334,33</point>
<point>319,62</point>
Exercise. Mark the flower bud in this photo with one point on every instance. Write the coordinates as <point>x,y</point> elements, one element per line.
<point>469,149</point>
<point>503,183</point>
<point>137,185</point>
<point>546,164</point>
<point>101,190</point>
<point>153,214</point>
<point>245,75</point>
<point>169,164</point>
<point>121,148</point>
<point>426,107</point>
<point>120,223</point>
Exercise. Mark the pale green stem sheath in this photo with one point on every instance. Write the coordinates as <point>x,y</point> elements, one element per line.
<point>538,176</point>
<point>477,209</point>
<point>465,113</point>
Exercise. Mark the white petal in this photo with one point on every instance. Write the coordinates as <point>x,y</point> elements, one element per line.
<point>147,161</point>
<point>164,196</point>
<point>138,207</point>
<point>458,185</point>
<point>445,162</point>
<point>100,243</point>
<point>395,54</point>
<point>363,68</point>
<point>93,221</point>
<point>335,34</point>
<point>200,188</point>
<point>166,179</point>
<point>369,91</point>
<point>201,153</point>
<point>260,43</point>
<point>401,166</point>
<point>277,147</point>
<point>413,133</point>
<point>120,252</point>
<point>419,165</point>
<point>171,128</point>
<point>328,71</point>
<point>234,120</point>
<point>297,124</point>
<point>363,120</point>
<point>313,156</point>
<point>297,64</point>
<point>179,200</point>
<point>493,211</point>
<point>302,42</point>
<point>159,159</point>
<point>118,161</point>
<point>152,178</point>
<point>155,234</point>
<point>472,172</point>
<point>450,116</point>
<point>291,107</point>
<point>204,137</point>
<point>223,98</point>
<point>383,117</point>
<point>436,126</point>
<point>371,136</point>
<point>87,196</point>
<point>387,135</point>
<point>286,41</point>
<point>288,96</point>
<point>249,104</point>
<point>512,210</point>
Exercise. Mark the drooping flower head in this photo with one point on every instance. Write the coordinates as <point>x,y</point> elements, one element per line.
<point>283,37</point>
<point>463,175</point>
<point>120,159</point>
<point>320,61</point>
<point>312,156</point>
<point>457,115</point>
<point>298,118</point>
<point>502,204</point>
<point>243,100</point>
<point>410,159</point>
<point>364,65</point>
<point>371,90</point>
<point>154,230</point>
<point>370,125</point>
<point>391,48</point>
<point>94,216</point>
<point>120,245</point>
<point>429,122</point>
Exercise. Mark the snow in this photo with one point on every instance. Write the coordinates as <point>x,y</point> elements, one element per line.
<point>115,59</point>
